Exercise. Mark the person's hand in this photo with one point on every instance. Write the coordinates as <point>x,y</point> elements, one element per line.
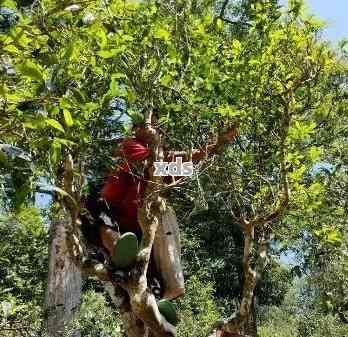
<point>146,134</point>
<point>229,135</point>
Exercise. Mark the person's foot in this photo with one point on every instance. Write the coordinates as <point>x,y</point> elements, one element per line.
<point>125,251</point>
<point>168,311</point>
<point>172,294</point>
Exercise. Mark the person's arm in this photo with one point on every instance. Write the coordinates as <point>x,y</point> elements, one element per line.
<point>198,154</point>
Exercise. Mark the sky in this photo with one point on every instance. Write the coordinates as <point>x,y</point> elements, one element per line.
<point>335,13</point>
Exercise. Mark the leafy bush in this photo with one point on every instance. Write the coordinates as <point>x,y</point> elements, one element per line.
<point>96,318</point>
<point>316,324</point>
<point>23,268</point>
<point>296,317</point>
<point>278,323</point>
<point>197,309</point>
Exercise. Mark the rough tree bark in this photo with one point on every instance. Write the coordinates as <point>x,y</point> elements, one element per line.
<point>63,293</point>
<point>250,327</point>
<point>142,301</point>
<point>131,325</point>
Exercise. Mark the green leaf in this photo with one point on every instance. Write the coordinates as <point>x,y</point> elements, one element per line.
<point>297,174</point>
<point>106,54</point>
<point>200,29</point>
<point>206,115</point>
<point>175,107</point>
<point>55,124</point>
<point>314,153</point>
<point>301,130</point>
<point>69,51</point>
<point>79,95</point>
<point>65,103</point>
<point>101,36</point>
<point>166,79</point>
<point>55,150</point>
<point>31,70</point>
<point>65,142</point>
<point>316,189</point>
<point>161,33</point>
<point>131,96</point>
<point>12,49</point>
<point>236,47</point>
<point>118,76</point>
<point>136,117</point>
<point>113,87</point>
<point>9,4</point>
<point>34,124</point>
<point>228,110</point>
<point>24,41</point>
<point>68,118</point>
<point>219,24</point>
<point>3,90</point>
<point>333,236</point>
<point>3,159</point>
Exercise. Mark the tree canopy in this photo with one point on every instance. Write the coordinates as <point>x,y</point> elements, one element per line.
<point>74,75</point>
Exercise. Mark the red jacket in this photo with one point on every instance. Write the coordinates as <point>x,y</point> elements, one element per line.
<point>124,191</point>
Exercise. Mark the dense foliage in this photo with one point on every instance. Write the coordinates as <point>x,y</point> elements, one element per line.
<point>23,256</point>
<point>72,76</point>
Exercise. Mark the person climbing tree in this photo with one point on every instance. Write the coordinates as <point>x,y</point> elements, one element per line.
<point>110,219</point>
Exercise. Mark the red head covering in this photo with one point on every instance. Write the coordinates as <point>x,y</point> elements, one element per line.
<point>133,150</point>
<point>124,191</point>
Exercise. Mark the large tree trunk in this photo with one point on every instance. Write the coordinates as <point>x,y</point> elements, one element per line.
<point>63,294</point>
<point>250,327</point>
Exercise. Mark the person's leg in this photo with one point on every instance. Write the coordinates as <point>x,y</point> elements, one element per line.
<point>167,252</point>
<point>122,249</point>
<point>109,238</point>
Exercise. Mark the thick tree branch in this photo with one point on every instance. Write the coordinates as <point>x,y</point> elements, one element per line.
<point>143,303</point>
<point>196,155</point>
<point>234,324</point>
